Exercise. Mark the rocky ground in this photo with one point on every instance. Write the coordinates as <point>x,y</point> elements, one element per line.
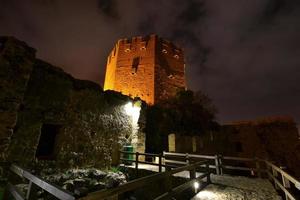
<point>80,181</point>
<point>238,188</point>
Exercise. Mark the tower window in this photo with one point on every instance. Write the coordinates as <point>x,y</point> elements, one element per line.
<point>135,64</point>
<point>164,51</point>
<point>171,76</point>
<point>143,48</point>
<point>45,149</point>
<point>176,56</point>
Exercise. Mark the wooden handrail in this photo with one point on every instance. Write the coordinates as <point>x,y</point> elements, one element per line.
<point>54,190</point>
<point>140,182</point>
<point>283,184</point>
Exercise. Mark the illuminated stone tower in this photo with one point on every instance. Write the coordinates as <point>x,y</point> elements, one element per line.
<point>147,67</point>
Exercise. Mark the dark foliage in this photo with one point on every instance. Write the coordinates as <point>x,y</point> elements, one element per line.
<point>187,113</point>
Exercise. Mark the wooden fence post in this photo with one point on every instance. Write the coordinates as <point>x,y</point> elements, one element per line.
<point>137,163</point>
<point>257,165</point>
<point>220,159</point>
<point>207,170</point>
<point>187,159</point>
<point>168,182</point>
<point>275,174</point>
<point>192,173</point>
<point>159,163</point>
<point>32,191</point>
<point>217,165</point>
<point>286,184</point>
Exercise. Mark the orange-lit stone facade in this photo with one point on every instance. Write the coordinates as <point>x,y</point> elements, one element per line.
<point>147,67</point>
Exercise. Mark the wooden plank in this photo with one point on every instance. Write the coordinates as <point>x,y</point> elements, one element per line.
<point>183,187</point>
<point>183,155</point>
<point>32,191</point>
<point>238,168</point>
<point>174,154</point>
<point>160,163</point>
<point>17,170</point>
<point>144,154</point>
<point>188,167</point>
<point>286,175</point>
<point>217,164</point>
<point>175,162</point>
<point>137,183</point>
<point>14,191</point>
<point>51,188</point>
<point>202,156</point>
<point>238,158</point>
<point>287,192</point>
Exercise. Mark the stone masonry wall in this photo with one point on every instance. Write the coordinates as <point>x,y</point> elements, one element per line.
<point>91,124</point>
<point>16,62</point>
<point>150,68</point>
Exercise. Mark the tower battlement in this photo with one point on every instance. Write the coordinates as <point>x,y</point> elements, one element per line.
<point>148,67</point>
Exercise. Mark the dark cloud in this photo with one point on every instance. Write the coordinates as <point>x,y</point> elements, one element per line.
<point>193,12</point>
<point>243,54</point>
<point>108,8</point>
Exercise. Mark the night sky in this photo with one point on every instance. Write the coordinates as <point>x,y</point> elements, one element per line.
<point>245,54</point>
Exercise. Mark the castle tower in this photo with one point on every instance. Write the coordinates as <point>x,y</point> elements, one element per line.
<point>150,68</point>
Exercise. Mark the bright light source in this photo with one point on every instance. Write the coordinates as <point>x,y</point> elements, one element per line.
<point>133,111</point>
<point>196,185</point>
<point>128,108</point>
<point>207,195</point>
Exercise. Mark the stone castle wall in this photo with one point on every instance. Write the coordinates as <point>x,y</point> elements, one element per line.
<point>16,63</point>
<point>275,139</point>
<point>88,125</point>
<point>150,68</point>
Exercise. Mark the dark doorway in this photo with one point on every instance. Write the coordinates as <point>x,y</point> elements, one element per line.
<point>45,149</point>
<point>238,147</point>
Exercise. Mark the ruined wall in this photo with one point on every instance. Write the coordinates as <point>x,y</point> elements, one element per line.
<point>89,125</point>
<point>16,62</point>
<point>150,68</point>
<point>275,139</point>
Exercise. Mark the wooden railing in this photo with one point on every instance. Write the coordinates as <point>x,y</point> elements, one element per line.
<point>146,156</point>
<point>173,163</point>
<point>282,180</point>
<point>217,162</point>
<point>256,167</point>
<point>165,176</point>
<point>35,183</point>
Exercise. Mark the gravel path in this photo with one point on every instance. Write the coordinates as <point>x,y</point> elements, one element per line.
<point>237,188</point>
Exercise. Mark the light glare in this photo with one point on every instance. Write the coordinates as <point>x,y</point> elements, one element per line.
<point>196,185</point>
<point>133,111</point>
